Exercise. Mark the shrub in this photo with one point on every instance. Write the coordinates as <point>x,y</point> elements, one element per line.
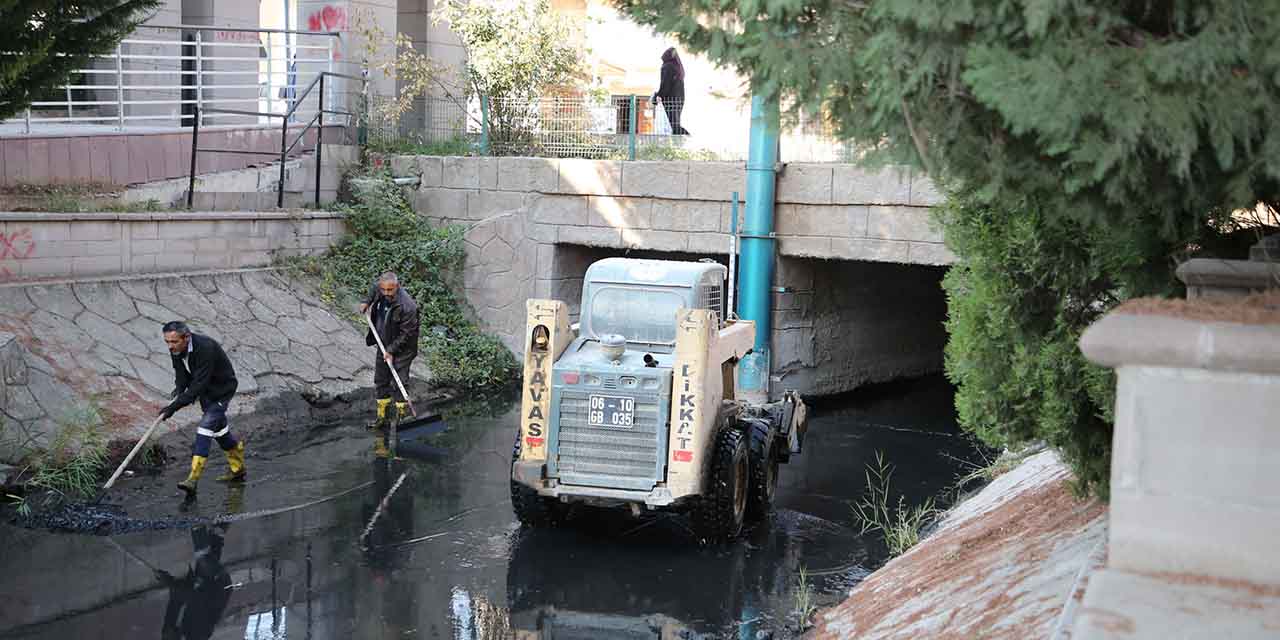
<point>386,235</point>
<point>1026,286</point>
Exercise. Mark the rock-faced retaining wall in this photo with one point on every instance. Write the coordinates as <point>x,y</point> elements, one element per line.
<point>64,345</point>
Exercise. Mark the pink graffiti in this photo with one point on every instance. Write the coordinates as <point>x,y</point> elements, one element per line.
<point>15,246</point>
<point>328,18</point>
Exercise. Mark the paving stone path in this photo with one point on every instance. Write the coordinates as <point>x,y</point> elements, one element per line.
<point>63,346</point>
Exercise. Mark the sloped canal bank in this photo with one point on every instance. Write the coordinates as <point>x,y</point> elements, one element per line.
<point>444,557</point>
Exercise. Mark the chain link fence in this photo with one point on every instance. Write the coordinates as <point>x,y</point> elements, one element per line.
<point>618,128</point>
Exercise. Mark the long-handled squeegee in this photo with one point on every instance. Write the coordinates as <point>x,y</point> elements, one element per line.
<point>368,318</point>
<point>127,459</point>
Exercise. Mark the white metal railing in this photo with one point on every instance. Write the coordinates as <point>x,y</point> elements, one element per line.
<point>161,75</point>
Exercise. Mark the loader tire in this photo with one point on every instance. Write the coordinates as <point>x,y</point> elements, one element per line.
<point>530,508</point>
<point>722,509</point>
<point>764,468</point>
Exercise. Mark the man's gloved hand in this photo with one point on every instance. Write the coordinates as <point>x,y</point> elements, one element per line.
<point>168,412</point>
<point>164,577</point>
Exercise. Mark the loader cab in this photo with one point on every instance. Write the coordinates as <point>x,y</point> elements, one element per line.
<point>638,299</point>
<point>611,390</point>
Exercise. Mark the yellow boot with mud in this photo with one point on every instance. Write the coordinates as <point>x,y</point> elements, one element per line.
<point>380,450</point>
<point>381,423</point>
<point>402,412</point>
<point>197,469</point>
<point>235,460</point>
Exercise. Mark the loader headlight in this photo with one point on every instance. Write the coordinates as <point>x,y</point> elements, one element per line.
<point>628,381</point>
<point>591,380</point>
<point>650,383</point>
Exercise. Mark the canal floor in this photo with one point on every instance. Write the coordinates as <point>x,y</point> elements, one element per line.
<point>312,547</point>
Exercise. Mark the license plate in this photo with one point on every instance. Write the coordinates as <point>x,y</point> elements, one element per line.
<point>612,411</point>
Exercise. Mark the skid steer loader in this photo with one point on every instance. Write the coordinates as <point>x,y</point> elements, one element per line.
<point>635,408</point>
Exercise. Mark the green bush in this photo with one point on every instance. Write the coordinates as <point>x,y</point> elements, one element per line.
<point>1026,286</point>
<point>386,235</point>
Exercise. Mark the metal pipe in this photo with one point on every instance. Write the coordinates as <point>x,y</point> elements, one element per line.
<point>195,140</point>
<point>758,247</point>
<point>484,125</point>
<point>119,91</point>
<point>319,140</point>
<point>631,126</point>
<point>284,159</point>
<point>199,77</point>
<point>729,310</point>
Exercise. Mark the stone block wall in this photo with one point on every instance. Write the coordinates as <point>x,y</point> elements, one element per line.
<point>857,252</point>
<point>58,245</point>
<point>829,211</point>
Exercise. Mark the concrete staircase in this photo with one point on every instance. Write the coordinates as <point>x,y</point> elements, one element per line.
<point>254,189</point>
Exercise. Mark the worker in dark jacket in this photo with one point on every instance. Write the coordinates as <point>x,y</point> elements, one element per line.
<point>671,90</point>
<point>395,316</point>
<point>203,372</point>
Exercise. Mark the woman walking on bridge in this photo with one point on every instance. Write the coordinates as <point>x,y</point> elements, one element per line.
<point>671,90</point>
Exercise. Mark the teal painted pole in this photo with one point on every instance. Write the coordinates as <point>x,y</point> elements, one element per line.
<point>758,248</point>
<point>633,120</point>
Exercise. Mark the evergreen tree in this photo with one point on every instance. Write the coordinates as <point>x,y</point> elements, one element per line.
<point>1087,146</point>
<point>1101,111</point>
<point>48,39</point>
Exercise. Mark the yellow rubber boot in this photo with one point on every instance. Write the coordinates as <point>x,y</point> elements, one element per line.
<point>402,411</point>
<point>197,469</point>
<point>381,422</point>
<point>235,460</point>
<point>380,448</point>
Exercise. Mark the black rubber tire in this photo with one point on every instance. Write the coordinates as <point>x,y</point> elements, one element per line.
<point>530,508</point>
<point>722,509</point>
<point>764,468</point>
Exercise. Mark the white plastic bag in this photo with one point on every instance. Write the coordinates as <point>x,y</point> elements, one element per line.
<point>661,125</point>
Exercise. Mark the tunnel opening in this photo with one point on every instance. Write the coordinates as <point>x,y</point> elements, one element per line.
<point>837,325</point>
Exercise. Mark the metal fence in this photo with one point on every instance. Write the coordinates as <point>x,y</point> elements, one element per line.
<point>621,127</point>
<point>160,76</point>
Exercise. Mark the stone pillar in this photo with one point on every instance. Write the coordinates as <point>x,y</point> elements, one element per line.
<point>1195,471</point>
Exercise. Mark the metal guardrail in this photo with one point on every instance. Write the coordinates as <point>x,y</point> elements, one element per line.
<point>316,121</point>
<point>162,76</point>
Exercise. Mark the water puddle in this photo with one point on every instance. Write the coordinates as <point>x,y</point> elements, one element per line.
<point>443,557</point>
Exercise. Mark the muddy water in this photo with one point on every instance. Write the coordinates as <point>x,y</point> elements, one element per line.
<point>444,558</point>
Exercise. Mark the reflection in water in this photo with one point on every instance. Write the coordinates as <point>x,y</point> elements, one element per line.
<point>198,598</point>
<point>442,557</point>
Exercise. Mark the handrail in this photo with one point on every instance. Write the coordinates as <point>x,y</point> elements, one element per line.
<point>208,27</point>
<point>297,101</point>
<point>285,146</point>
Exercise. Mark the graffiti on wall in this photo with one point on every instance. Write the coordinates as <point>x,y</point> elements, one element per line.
<point>15,246</point>
<point>330,17</point>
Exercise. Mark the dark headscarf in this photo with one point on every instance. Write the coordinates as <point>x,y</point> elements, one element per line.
<point>671,57</point>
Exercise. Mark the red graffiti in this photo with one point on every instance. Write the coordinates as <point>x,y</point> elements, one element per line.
<point>682,456</point>
<point>328,18</point>
<point>534,442</point>
<point>16,245</point>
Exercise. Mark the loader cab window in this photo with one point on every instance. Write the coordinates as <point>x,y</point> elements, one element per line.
<point>640,315</point>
